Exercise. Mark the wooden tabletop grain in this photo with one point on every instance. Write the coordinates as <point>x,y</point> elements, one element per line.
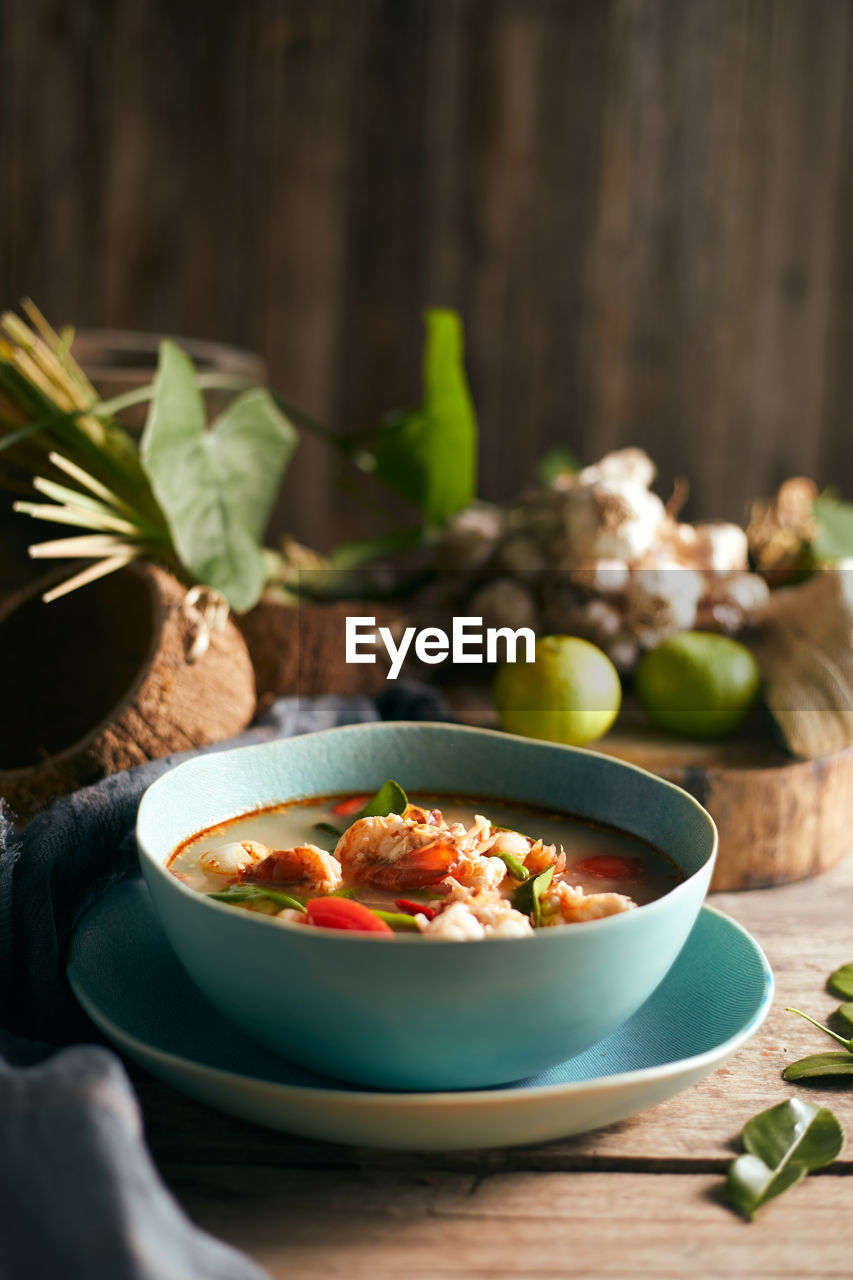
<point>640,1198</point>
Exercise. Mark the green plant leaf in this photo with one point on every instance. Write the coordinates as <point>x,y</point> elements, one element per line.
<point>430,454</point>
<point>841,982</point>
<point>848,1044</point>
<point>834,538</point>
<point>527,897</point>
<point>215,486</point>
<point>820,1064</point>
<point>782,1144</point>
<point>236,893</point>
<point>845,1011</point>
<point>390,798</point>
<point>251,443</point>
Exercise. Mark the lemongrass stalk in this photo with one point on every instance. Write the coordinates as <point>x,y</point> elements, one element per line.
<point>89,482</point>
<point>54,340</point>
<point>71,497</point>
<point>19,389</point>
<point>99,570</point>
<point>95,545</point>
<point>33,374</point>
<point>83,519</point>
<point>82,501</point>
<point>38,379</point>
<point>40,354</point>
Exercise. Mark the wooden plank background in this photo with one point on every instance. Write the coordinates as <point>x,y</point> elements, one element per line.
<point>642,208</point>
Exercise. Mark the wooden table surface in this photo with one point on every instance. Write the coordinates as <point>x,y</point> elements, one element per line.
<point>641,1198</point>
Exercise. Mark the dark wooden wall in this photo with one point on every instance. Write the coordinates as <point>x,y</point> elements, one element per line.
<point>642,208</point>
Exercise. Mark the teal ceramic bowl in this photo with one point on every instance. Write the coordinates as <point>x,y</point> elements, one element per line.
<point>408,1012</point>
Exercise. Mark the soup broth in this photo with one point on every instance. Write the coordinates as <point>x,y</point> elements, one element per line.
<point>439,868</point>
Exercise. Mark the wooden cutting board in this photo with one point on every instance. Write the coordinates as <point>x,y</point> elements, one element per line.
<point>779,819</point>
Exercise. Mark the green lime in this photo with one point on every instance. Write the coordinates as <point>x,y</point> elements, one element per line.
<point>569,693</point>
<point>697,683</point>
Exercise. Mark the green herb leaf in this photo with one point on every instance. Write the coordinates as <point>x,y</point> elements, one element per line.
<point>845,1011</point>
<point>516,869</point>
<point>834,538</point>
<point>841,982</point>
<point>820,1064</point>
<point>216,487</point>
<point>848,1044</point>
<point>783,1144</point>
<point>527,896</point>
<point>398,920</point>
<point>556,462</point>
<point>390,798</point>
<point>430,454</point>
<point>251,444</point>
<point>236,893</point>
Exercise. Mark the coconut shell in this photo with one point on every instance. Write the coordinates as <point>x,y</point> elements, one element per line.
<point>100,681</point>
<point>302,649</point>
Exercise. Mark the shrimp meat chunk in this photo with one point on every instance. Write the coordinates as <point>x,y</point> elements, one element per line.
<point>481,913</point>
<point>415,849</point>
<point>305,864</point>
<point>234,858</point>
<point>566,904</point>
<point>535,855</point>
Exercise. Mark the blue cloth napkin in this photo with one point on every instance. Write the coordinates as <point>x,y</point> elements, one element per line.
<point>80,1198</point>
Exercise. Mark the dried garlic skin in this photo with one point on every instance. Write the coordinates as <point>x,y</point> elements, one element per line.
<point>803,645</point>
<point>598,555</point>
<point>780,531</point>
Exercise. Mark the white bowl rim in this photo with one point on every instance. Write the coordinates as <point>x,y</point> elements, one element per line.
<point>350,937</point>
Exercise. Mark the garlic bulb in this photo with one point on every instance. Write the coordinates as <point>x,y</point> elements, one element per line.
<point>598,554</point>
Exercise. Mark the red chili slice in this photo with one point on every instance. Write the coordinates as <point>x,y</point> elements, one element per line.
<point>352,804</point>
<point>344,913</point>
<point>416,908</point>
<point>610,866</point>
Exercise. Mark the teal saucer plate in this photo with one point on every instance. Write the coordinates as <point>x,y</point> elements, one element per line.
<point>130,983</point>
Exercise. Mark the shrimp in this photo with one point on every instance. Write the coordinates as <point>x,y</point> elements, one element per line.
<point>481,873</point>
<point>401,851</point>
<point>396,852</point>
<point>542,856</point>
<point>474,915</point>
<point>534,854</point>
<point>305,863</point>
<point>456,923</point>
<point>234,858</point>
<point>564,904</point>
